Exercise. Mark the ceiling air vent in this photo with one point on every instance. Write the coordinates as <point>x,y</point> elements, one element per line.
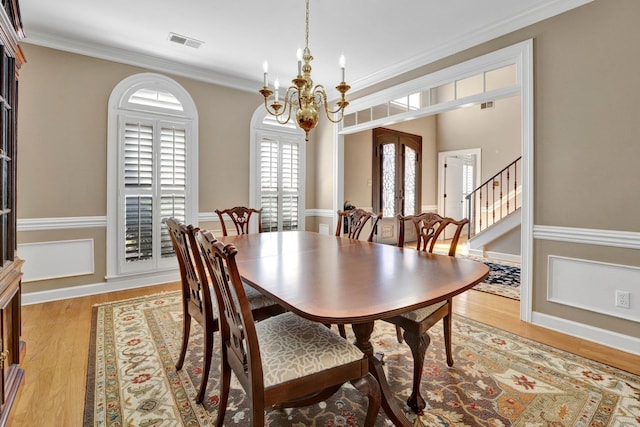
<point>187,41</point>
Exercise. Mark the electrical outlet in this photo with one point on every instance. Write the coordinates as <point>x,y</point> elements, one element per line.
<point>622,299</point>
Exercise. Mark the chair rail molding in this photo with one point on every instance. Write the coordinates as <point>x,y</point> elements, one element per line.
<point>67,223</point>
<point>324,213</point>
<point>61,223</point>
<point>588,236</point>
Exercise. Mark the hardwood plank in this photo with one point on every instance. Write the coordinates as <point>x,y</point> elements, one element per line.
<point>57,336</point>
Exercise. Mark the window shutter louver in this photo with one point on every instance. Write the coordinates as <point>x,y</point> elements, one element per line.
<point>138,155</point>
<point>290,184</point>
<point>139,228</point>
<point>138,182</point>
<point>173,181</point>
<point>269,184</point>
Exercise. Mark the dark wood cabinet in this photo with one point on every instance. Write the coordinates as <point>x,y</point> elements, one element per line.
<point>11,346</point>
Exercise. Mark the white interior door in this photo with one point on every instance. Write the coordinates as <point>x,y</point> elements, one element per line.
<point>453,188</point>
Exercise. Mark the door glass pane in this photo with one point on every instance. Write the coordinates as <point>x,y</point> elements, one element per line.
<point>388,180</point>
<point>409,181</point>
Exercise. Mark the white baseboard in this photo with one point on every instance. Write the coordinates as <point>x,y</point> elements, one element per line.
<point>170,276</point>
<point>495,255</point>
<point>605,337</point>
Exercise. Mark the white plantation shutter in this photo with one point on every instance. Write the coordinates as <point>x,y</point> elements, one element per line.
<point>280,184</point>
<point>155,186</point>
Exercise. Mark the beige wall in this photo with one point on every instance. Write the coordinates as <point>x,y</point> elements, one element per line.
<point>497,131</point>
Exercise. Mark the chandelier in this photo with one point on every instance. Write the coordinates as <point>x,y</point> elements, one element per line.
<point>302,95</point>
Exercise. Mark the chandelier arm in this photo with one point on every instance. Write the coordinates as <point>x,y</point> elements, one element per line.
<point>319,90</point>
<point>287,107</point>
<point>275,113</point>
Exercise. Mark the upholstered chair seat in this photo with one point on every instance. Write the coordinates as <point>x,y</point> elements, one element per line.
<point>292,347</point>
<point>422,313</point>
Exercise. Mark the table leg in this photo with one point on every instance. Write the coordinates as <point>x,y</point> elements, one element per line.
<point>363,332</point>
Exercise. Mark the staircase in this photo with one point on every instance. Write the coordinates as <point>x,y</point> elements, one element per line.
<point>494,208</point>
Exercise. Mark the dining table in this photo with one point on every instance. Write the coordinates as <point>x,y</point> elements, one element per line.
<point>335,280</point>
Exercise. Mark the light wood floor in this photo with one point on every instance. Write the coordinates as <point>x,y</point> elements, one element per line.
<point>57,336</point>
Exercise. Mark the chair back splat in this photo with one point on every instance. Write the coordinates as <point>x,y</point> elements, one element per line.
<point>356,220</point>
<point>286,359</point>
<point>429,226</point>
<point>240,216</point>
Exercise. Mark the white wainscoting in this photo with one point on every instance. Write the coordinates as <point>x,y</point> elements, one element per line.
<point>52,260</point>
<point>323,228</point>
<point>592,285</point>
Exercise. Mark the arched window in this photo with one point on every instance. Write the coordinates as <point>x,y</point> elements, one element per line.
<point>152,172</point>
<point>277,173</point>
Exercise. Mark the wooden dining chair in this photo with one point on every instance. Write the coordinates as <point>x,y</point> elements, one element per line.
<point>197,299</point>
<point>356,220</point>
<point>286,359</point>
<point>240,216</point>
<point>415,324</point>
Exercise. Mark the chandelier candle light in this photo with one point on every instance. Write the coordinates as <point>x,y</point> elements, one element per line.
<point>302,95</point>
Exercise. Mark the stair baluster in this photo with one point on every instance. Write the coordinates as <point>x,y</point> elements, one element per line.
<point>480,220</point>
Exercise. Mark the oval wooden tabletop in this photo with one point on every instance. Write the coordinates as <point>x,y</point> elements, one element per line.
<point>336,280</point>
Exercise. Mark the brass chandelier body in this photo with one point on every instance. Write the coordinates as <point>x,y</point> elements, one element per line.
<point>304,96</point>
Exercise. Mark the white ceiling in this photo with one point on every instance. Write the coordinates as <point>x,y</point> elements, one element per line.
<point>378,38</point>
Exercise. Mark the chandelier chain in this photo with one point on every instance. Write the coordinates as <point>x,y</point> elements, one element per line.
<point>306,36</point>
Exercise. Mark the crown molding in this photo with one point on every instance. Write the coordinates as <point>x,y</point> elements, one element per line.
<point>469,40</point>
<point>139,60</point>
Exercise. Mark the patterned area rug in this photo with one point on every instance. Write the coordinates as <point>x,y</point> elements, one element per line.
<point>503,280</point>
<point>498,379</point>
